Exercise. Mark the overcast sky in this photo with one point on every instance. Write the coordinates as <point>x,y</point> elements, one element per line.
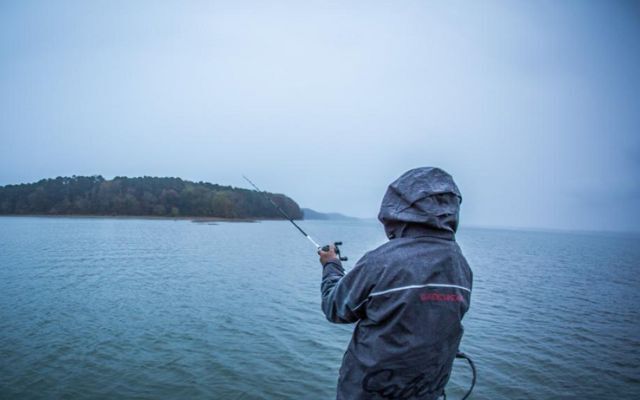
<point>533,107</point>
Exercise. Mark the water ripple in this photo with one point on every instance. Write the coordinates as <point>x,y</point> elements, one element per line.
<point>102,308</point>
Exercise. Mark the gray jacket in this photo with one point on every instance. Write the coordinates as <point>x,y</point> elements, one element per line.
<point>407,297</point>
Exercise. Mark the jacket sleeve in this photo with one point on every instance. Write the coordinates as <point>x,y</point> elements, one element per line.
<point>344,297</point>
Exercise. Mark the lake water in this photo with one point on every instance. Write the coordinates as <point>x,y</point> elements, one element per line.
<point>162,309</point>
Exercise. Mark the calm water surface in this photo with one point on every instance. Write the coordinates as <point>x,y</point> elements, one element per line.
<point>161,309</point>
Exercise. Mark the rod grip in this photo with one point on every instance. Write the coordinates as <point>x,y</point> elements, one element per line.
<point>336,245</point>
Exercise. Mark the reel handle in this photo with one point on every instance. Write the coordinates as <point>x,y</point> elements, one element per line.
<point>336,245</point>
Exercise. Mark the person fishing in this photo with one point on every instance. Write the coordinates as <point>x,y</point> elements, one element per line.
<point>408,296</point>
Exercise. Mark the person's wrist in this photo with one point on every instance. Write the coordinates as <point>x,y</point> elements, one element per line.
<point>332,260</point>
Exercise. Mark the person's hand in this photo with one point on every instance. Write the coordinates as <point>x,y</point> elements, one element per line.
<point>326,256</point>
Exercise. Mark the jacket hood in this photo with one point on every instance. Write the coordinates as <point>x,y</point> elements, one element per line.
<point>421,199</point>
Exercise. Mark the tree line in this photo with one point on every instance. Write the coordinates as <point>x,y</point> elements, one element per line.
<point>144,196</point>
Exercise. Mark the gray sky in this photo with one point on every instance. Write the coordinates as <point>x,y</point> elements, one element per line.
<point>532,106</point>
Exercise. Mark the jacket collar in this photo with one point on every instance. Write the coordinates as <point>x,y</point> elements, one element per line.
<point>417,230</point>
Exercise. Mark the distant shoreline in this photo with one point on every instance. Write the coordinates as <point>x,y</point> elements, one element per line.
<point>145,196</point>
<point>146,217</point>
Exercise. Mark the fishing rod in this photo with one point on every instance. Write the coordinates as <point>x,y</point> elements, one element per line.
<point>284,214</point>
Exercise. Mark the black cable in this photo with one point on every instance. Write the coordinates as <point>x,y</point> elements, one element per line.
<point>473,369</point>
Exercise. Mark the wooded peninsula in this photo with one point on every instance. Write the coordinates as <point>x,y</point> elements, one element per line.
<point>144,196</point>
